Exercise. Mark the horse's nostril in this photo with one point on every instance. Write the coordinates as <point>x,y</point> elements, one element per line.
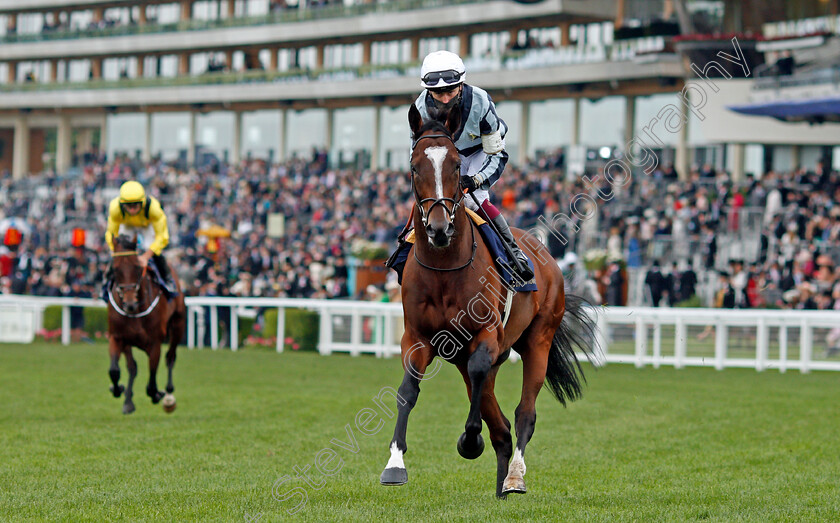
<point>450,229</point>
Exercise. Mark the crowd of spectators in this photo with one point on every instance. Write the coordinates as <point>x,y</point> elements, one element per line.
<point>681,226</point>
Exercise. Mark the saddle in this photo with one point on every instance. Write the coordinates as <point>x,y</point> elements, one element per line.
<point>504,264</point>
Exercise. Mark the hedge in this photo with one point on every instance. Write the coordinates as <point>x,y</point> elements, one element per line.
<point>301,326</point>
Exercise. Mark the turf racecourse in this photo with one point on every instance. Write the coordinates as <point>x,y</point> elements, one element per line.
<point>643,445</point>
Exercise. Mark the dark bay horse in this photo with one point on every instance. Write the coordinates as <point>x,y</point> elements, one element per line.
<point>139,315</point>
<point>453,303</point>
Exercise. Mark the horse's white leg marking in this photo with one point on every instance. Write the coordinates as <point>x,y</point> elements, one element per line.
<point>517,465</point>
<point>396,461</point>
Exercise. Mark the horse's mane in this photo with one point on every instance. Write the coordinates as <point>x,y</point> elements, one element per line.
<point>126,242</point>
<point>432,124</point>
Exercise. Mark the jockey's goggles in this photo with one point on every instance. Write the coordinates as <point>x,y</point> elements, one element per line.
<point>449,77</point>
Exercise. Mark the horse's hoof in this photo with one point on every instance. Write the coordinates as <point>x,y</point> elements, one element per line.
<point>513,486</point>
<point>118,391</point>
<point>156,397</point>
<point>470,452</point>
<point>169,404</point>
<point>128,408</point>
<point>394,477</point>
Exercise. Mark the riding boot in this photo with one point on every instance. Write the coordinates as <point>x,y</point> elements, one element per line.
<point>522,268</point>
<point>166,275</point>
<point>398,259</point>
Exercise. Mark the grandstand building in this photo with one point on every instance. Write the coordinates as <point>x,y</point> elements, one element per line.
<point>231,79</point>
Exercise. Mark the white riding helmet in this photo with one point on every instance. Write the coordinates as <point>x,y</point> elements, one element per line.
<point>442,69</point>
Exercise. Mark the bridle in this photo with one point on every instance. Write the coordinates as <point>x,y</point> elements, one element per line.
<point>121,288</point>
<point>424,215</point>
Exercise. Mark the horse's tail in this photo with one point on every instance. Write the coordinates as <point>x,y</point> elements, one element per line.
<point>564,375</point>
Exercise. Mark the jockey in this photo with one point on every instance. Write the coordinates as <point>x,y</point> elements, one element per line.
<point>480,141</point>
<point>133,209</point>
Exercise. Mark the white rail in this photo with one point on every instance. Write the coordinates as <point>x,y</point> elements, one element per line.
<point>342,325</point>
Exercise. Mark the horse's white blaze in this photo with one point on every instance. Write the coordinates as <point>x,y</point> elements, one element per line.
<point>436,155</point>
<point>517,465</point>
<point>396,461</point>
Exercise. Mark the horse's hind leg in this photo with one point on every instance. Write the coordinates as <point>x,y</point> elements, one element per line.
<point>114,371</point>
<point>534,362</point>
<point>176,331</point>
<point>154,360</point>
<point>131,365</point>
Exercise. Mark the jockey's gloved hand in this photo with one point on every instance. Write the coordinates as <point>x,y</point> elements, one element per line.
<point>469,183</point>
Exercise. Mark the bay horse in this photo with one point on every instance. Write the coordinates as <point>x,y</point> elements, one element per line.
<point>453,301</point>
<point>139,315</point>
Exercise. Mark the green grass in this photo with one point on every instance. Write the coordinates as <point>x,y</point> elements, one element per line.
<point>643,445</point>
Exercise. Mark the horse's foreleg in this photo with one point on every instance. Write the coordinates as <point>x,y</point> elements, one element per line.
<point>471,444</point>
<point>177,324</point>
<point>415,361</point>
<point>131,365</point>
<point>151,388</point>
<point>114,371</point>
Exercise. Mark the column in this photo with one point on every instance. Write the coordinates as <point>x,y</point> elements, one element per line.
<point>630,118</point>
<point>464,44</point>
<point>272,60</point>
<point>330,128</point>
<point>11,23</point>
<point>97,14</point>
<point>524,133</point>
<point>54,71</point>
<point>141,19</point>
<point>96,68</point>
<point>377,138</point>
<point>141,66</point>
<point>576,122</point>
<point>64,138</point>
<point>186,10</point>
<point>738,157</point>
<point>84,140</point>
<point>619,13</point>
<point>319,57</point>
<point>20,153</point>
<point>103,135</point>
<point>147,143</point>
<point>236,155</point>
<point>12,72</point>
<point>229,59</point>
<point>231,9</point>
<point>414,50</point>
<point>367,51</point>
<point>565,30</point>
<point>281,144</point>
<point>191,139</point>
<point>681,160</point>
<point>184,64</point>
<point>796,156</point>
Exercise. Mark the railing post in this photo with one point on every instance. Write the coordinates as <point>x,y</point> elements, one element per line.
<point>234,328</point>
<point>641,342</point>
<point>805,346</point>
<point>281,328</point>
<point>721,340</point>
<point>600,356</point>
<point>325,330</point>
<point>214,327</point>
<point>355,333</point>
<point>679,343</point>
<point>657,344</point>
<point>783,343</point>
<point>191,327</point>
<point>65,325</point>
<point>761,345</point>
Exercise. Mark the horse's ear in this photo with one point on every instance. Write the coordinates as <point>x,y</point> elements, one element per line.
<point>453,120</point>
<point>415,121</point>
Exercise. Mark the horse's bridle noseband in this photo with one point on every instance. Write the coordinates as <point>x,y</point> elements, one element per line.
<point>424,214</point>
<point>120,288</point>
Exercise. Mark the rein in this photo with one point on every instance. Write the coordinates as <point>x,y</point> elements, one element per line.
<point>424,215</point>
